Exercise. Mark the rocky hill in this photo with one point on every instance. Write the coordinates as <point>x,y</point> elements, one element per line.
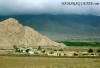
<point>13,33</point>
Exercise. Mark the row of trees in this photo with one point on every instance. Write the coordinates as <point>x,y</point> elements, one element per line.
<point>39,48</point>
<point>27,49</point>
<point>91,51</point>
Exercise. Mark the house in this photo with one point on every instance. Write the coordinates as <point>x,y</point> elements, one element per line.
<point>55,53</point>
<point>31,52</point>
<point>60,53</point>
<point>50,53</point>
<point>98,54</point>
<point>91,54</point>
<point>39,51</point>
<point>23,50</point>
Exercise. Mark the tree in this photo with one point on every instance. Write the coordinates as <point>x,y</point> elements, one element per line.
<point>51,52</point>
<point>60,49</point>
<point>43,51</point>
<point>55,50</point>
<point>75,54</point>
<point>39,48</point>
<point>27,50</point>
<point>98,51</point>
<point>90,50</point>
<point>16,48</point>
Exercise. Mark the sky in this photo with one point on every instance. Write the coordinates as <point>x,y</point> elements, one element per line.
<point>33,7</point>
<point>85,19</point>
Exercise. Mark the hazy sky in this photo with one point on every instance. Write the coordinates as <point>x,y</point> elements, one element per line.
<point>19,7</point>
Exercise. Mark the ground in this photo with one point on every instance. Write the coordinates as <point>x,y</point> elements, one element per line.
<point>48,62</point>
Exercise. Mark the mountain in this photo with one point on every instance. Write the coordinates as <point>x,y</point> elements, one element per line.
<point>63,27</point>
<point>13,33</point>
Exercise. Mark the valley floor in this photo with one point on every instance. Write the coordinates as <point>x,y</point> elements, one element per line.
<point>48,62</point>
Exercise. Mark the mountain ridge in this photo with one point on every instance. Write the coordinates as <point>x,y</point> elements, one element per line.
<point>63,27</point>
<point>13,33</point>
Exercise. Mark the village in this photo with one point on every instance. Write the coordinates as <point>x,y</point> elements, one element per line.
<point>54,51</point>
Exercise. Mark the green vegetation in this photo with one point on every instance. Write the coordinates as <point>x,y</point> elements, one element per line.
<point>60,49</point>
<point>75,54</point>
<point>27,50</point>
<point>43,51</point>
<point>98,51</point>
<point>39,48</point>
<point>16,48</point>
<point>81,44</point>
<point>90,51</point>
<point>55,49</point>
<point>51,52</point>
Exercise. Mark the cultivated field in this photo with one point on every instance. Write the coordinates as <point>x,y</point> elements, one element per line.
<point>48,62</point>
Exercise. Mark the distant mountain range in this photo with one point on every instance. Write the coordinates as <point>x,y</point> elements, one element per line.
<point>63,27</point>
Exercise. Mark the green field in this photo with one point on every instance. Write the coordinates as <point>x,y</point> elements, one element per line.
<point>81,44</point>
<point>48,62</point>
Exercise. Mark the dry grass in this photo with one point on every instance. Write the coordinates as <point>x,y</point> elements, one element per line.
<point>45,62</point>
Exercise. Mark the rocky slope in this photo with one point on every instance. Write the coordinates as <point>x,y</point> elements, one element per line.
<point>13,33</point>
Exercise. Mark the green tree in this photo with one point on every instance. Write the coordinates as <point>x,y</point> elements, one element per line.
<point>60,49</point>
<point>90,50</point>
<point>51,52</point>
<point>16,48</point>
<point>43,51</point>
<point>27,50</point>
<point>75,54</point>
<point>39,48</point>
<point>98,51</point>
<point>55,49</point>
